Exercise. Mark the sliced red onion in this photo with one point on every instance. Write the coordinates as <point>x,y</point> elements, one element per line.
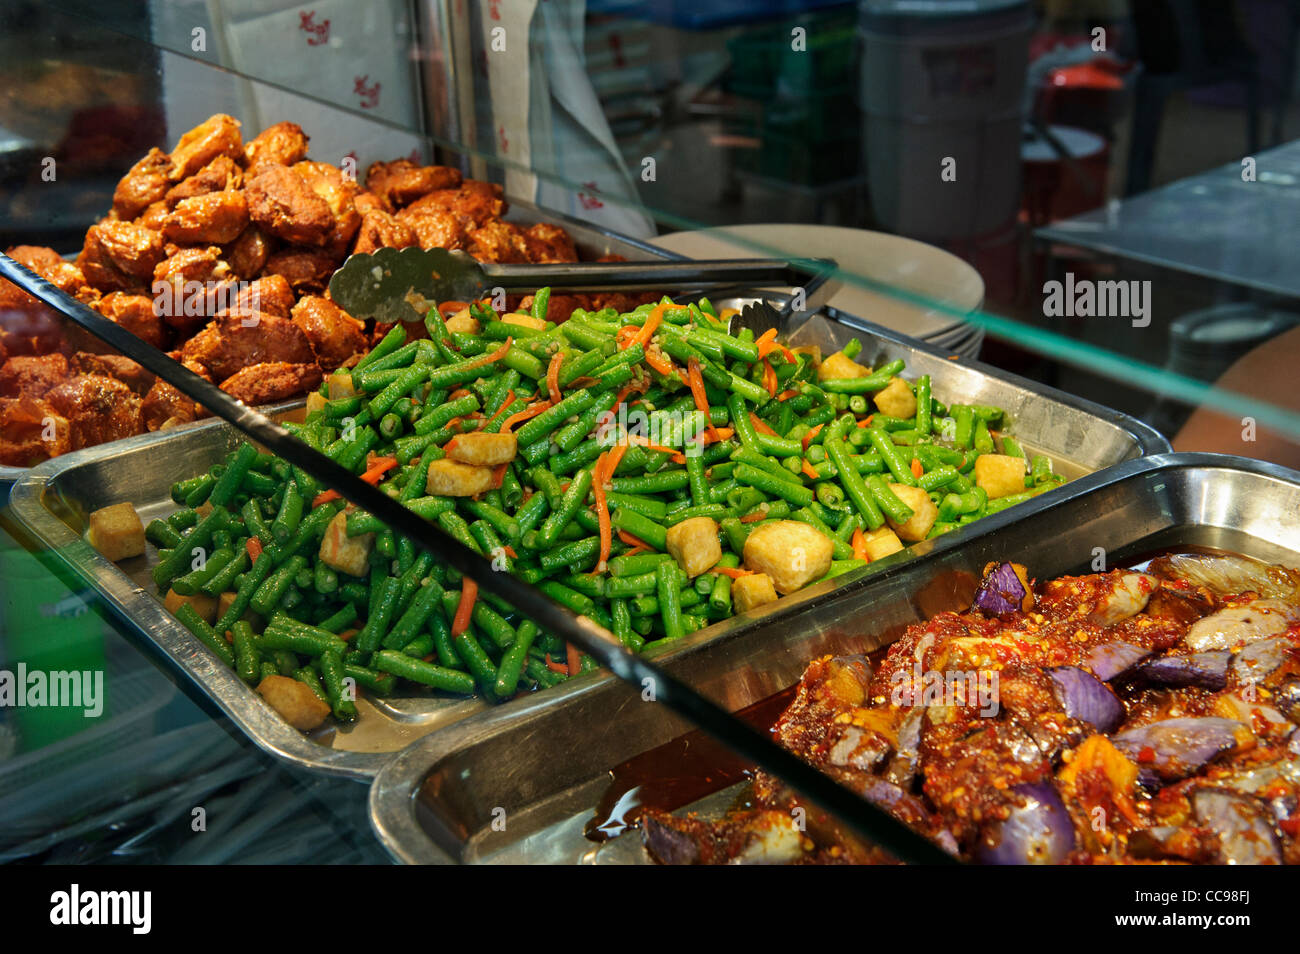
<point>1173,749</point>
<point>1245,835</point>
<point>1259,659</point>
<point>1113,659</point>
<point>1207,670</point>
<point>1003,591</point>
<point>1087,698</point>
<point>1037,832</point>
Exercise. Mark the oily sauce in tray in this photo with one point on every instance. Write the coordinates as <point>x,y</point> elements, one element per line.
<point>694,765</point>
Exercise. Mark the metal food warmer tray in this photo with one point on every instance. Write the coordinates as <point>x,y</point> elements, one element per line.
<point>514,788</point>
<point>54,500</point>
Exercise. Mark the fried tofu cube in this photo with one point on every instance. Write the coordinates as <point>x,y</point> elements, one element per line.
<point>924,513</point>
<point>881,543</point>
<point>343,553</point>
<point>752,590</point>
<point>483,450</point>
<point>999,475</point>
<point>897,399</point>
<point>315,402</point>
<point>463,323</point>
<point>525,321</point>
<point>116,532</point>
<point>694,544</point>
<point>341,385</point>
<point>840,365</point>
<point>451,478</point>
<point>793,554</point>
<point>204,605</point>
<point>294,700</point>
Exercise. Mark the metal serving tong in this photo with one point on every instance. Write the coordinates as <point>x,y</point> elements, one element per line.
<point>392,285</point>
<point>867,820</point>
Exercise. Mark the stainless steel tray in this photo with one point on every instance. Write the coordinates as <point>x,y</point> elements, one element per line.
<point>54,498</point>
<point>515,787</point>
<point>591,241</point>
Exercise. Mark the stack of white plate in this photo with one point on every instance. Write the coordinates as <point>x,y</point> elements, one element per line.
<point>936,286</point>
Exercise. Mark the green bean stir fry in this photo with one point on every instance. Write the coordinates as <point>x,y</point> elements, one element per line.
<point>650,470</point>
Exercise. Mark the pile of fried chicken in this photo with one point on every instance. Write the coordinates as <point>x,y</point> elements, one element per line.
<point>1135,717</point>
<point>259,221</point>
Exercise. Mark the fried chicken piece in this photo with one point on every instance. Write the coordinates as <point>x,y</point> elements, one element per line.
<point>282,144</point>
<point>36,257</point>
<point>272,381</point>
<point>497,241</point>
<point>338,192</point>
<point>219,175</point>
<point>98,409</point>
<point>280,202</point>
<point>307,270</point>
<point>119,256</point>
<point>216,217</point>
<point>164,406</point>
<point>113,366</point>
<point>233,342</point>
<point>270,295</point>
<point>136,314</point>
<point>32,432</point>
<point>248,253</point>
<point>381,230</point>
<point>217,136</point>
<point>145,183</point>
<point>401,182</point>
<point>474,204</point>
<point>191,286</point>
<point>335,335</point>
<point>32,376</point>
<point>433,228</point>
<point>154,216</point>
<point>546,243</point>
<point>367,202</point>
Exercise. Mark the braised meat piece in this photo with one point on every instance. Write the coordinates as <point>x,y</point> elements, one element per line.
<point>474,203</point>
<point>232,342</point>
<point>248,253</point>
<point>217,136</point>
<point>137,315</point>
<point>272,381</point>
<point>282,144</point>
<point>281,203</point>
<point>31,431</point>
<point>401,182</point>
<point>214,217</point>
<point>98,409</point>
<point>335,335</point>
<point>113,366</point>
<point>120,256</point>
<point>165,407</point>
<point>381,230</point>
<point>433,228</point>
<point>145,183</point>
<point>192,286</point>
<point>545,243</point>
<point>270,295</point>
<point>219,175</point>
<point>497,241</point>
<point>366,202</point>
<point>307,270</point>
<point>32,376</point>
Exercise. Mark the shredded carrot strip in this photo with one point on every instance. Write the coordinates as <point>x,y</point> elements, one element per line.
<point>632,541</point>
<point>493,355</point>
<point>918,471</point>
<point>561,668</point>
<point>458,393</point>
<point>766,343</point>
<point>769,378</point>
<point>468,596</point>
<point>537,407</point>
<point>696,382</point>
<point>378,467</point>
<point>734,572</point>
<point>866,421</point>
<point>347,634</point>
<point>254,548</point>
<point>451,307</point>
<point>808,471</point>
<point>510,552</point>
<point>659,361</point>
<point>786,395</point>
<point>553,376</point>
<point>652,322</point>
<point>615,458</point>
<point>635,550</point>
<point>499,475</point>
<point>638,439</point>
<point>859,544</point>
<point>574,658</point>
<point>722,434</point>
<point>600,472</point>
<point>808,438</point>
<point>760,425</point>
<point>754,517</point>
<point>510,396</point>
